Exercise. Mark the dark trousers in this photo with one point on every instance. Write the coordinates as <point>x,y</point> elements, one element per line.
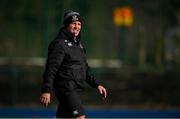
<point>70,105</point>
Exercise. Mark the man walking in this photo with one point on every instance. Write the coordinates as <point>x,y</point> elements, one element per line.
<point>67,70</point>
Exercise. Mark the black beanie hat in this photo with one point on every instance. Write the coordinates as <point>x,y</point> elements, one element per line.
<point>71,16</point>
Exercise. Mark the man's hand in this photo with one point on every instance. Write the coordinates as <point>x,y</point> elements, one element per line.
<point>45,99</point>
<point>102,91</point>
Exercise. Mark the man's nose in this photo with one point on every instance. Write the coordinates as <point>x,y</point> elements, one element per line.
<point>76,26</point>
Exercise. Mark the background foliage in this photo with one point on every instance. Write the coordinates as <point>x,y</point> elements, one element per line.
<point>147,77</point>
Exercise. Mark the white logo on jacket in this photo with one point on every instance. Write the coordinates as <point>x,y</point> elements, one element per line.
<point>69,44</point>
<point>80,45</point>
<point>75,112</point>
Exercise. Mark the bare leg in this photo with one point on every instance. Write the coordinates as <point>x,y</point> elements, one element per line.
<point>81,117</point>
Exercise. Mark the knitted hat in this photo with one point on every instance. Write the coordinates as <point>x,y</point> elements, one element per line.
<point>71,16</point>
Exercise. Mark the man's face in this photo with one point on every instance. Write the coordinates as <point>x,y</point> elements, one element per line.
<point>74,28</point>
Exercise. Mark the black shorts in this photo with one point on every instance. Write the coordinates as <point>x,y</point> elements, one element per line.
<point>70,105</point>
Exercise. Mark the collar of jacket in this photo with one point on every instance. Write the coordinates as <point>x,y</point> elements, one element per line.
<point>70,36</point>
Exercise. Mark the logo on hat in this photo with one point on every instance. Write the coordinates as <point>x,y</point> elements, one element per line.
<point>75,18</point>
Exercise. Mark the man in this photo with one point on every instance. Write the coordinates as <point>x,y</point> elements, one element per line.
<point>67,70</point>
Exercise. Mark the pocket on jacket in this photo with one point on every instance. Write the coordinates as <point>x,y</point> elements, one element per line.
<point>78,74</point>
<point>66,85</point>
<point>72,85</point>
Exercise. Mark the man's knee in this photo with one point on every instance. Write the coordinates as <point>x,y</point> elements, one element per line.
<point>81,117</point>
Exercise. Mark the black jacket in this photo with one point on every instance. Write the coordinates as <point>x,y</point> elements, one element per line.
<point>66,67</point>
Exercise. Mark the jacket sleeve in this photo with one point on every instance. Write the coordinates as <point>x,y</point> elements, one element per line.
<point>54,60</point>
<point>90,78</point>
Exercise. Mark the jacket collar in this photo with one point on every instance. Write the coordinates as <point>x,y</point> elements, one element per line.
<point>70,37</point>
